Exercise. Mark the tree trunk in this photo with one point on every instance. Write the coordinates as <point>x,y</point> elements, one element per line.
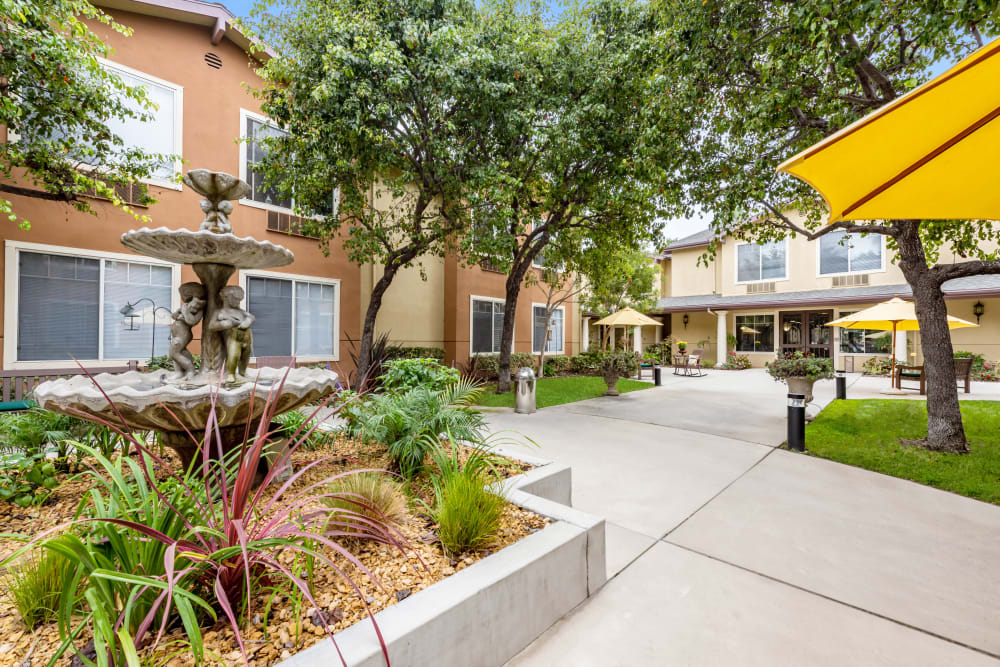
<point>513,290</point>
<point>945,432</point>
<point>368,331</point>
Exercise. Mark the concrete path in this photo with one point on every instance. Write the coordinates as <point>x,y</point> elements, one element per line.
<point>726,551</point>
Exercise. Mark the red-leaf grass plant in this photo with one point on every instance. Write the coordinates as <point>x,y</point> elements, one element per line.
<point>197,545</point>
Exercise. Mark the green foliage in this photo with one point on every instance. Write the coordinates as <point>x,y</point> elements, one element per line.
<point>366,496</point>
<point>403,421</point>
<point>557,364</point>
<point>708,364</point>
<point>620,363</point>
<point>27,480</point>
<point>736,362</point>
<point>877,366</point>
<point>35,584</point>
<point>35,431</point>
<point>405,374</point>
<point>619,278</point>
<point>978,361</point>
<point>296,425</point>
<point>488,365</point>
<point>163,362</point>
<point>659,353</point>
<point>560,390</point>
<point>799,365</point>
<point>61,103</point>
<point>586,363</point>
<point>468,513</point>
<point>868,434</point>
<point>414,352</point>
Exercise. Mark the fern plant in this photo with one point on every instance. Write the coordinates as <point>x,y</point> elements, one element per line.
<point>404,421</point>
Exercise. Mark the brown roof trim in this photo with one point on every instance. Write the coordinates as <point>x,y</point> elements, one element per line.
<point>685,246</point>
<point>858,298</point>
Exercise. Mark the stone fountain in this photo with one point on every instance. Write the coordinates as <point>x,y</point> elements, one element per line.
<point>177,403</point>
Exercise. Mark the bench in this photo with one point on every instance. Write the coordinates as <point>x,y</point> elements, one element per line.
<point>17,386</point>
<point>963,374</point>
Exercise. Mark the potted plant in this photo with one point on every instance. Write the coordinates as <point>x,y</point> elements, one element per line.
<point>616,364</point>
<point>799,371</point>
<point>682,345</point>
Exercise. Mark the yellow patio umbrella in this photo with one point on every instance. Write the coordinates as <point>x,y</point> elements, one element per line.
<point>628,317</point>
<point>892,315</point>
<point>930,154</point>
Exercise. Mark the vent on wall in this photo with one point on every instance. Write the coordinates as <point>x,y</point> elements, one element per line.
<point>286,224</point>
<point>133,194</point>
<point>851,280</point>
<point>213,61</point>
<point>760,288</point>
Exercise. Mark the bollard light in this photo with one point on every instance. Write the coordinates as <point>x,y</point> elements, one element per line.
<point>797,422</point>
<point>657,376</point>
<point>841,379</point>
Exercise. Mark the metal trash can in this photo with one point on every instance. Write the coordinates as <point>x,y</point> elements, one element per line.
<point>657,376</point>
<point>524,391</point>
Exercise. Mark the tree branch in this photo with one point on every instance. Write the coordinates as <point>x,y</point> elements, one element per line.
<point>66,197</point>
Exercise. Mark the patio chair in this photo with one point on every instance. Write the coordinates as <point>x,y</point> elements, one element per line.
<point>963,374</point>
<point>689,364</point>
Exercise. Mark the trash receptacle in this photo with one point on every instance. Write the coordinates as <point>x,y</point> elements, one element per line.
<point>657,376</point>
<point>524,391</point>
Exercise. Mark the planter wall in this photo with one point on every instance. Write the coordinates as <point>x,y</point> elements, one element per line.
<point>485,614</point>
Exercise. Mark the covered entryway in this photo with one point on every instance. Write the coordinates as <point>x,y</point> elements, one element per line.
<point>806,331</point>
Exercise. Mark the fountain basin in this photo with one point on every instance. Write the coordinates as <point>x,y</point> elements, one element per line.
<point>146,402</point>
<point>204,247</point>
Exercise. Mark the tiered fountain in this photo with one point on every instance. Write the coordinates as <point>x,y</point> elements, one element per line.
<point>172,402</point>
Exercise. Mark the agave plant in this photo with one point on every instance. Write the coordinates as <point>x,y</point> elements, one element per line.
<point>150,553</point>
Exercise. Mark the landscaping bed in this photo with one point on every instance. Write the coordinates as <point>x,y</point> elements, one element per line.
<point>281,622</point>
<point>563,389</point>
<point>867,434</point>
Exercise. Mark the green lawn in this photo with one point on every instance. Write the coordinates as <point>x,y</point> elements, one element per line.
<point>556,391</point>
<point>867,433</point>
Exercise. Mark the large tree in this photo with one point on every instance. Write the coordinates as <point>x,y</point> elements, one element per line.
<point>750,84</point>
<point>380,100</point>
<point>573,149</point>
<point>63,110</point>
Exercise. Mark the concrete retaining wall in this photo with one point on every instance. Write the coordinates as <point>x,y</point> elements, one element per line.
<point>485,614</point>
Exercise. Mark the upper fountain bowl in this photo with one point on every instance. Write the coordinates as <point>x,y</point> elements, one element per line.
<point>205,247</point>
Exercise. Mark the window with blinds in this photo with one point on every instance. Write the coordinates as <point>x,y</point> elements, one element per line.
<point>70,308</point>
<point>293,317</point>
<point>553,338</point>
<point>487,326</point>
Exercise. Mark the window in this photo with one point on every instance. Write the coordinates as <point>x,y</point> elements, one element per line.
<point>70,307</point>
<point>840,252</point>
<point>755,333</point>
<point>554,337</point>
<point>487,325</point>
<point>161,133</point>
<point>293,317</point>
<point>764,261</point>
<point>864,341</point>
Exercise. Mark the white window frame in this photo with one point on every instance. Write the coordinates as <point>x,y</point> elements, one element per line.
<point>178,119</point>
<point>819,267</point>
<point>12,291</point>
<point>562,348</point>
<point>309,358</point>
<point>736,265</point>
<point>775,335</point>
<point>475,297</point>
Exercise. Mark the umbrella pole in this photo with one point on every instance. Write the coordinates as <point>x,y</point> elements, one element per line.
<point>892,375</point>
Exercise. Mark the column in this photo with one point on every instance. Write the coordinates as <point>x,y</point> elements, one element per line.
<point>901,354</point>
<point>720,332</point>
<point>637,339</point>
<point>585,335</point>
<point>611,339</point>
<point>658,333</point>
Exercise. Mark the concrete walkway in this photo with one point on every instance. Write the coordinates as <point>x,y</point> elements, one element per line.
<point>726,551</point>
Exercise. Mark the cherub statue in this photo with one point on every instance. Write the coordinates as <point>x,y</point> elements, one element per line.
<point>189,314</point>
<point>234,324</point>
<point>216,216</point>
<point>217,188</point>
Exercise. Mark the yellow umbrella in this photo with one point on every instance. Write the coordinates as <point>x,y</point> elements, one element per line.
<point>892,315</point>
<point>627,317</point>
<point>930,154</point>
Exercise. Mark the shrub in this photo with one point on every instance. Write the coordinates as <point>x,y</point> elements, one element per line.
<point>296,424</point>
<point>659,353</point>
<point>708,364</point>
<point>401,421</point>
<point>988,374</point>
<point>622,363</point>
<point>36,430</point>
<point>164,362</point>
<point>405,374</point>
<point>799,365</point>
<point>557,364</point>
<point>736,362</point>
<point>877,366</point>
<point>27,480</point>
<point>585,363</point>
<point>468,513</point>
<point>393,352</point>
<point>488,365</point>
<point>366,495</point>
<point>35,585</point>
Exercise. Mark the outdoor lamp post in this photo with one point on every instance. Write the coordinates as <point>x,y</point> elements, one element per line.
<point>978,309</point>
<point>128,310</point>
<point>797,422</point>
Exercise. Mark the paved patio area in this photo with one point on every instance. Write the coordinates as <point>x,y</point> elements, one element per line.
<point>726,551</point>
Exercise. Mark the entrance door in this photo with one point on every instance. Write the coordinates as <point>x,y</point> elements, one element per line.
<point>807,332</point>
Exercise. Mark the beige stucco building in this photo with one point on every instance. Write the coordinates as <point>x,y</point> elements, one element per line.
<point>766,300</point>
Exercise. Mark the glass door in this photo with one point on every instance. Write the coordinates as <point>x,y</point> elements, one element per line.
<point>819,334</point>
<point>792,332</point>
<point>807,332</point>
